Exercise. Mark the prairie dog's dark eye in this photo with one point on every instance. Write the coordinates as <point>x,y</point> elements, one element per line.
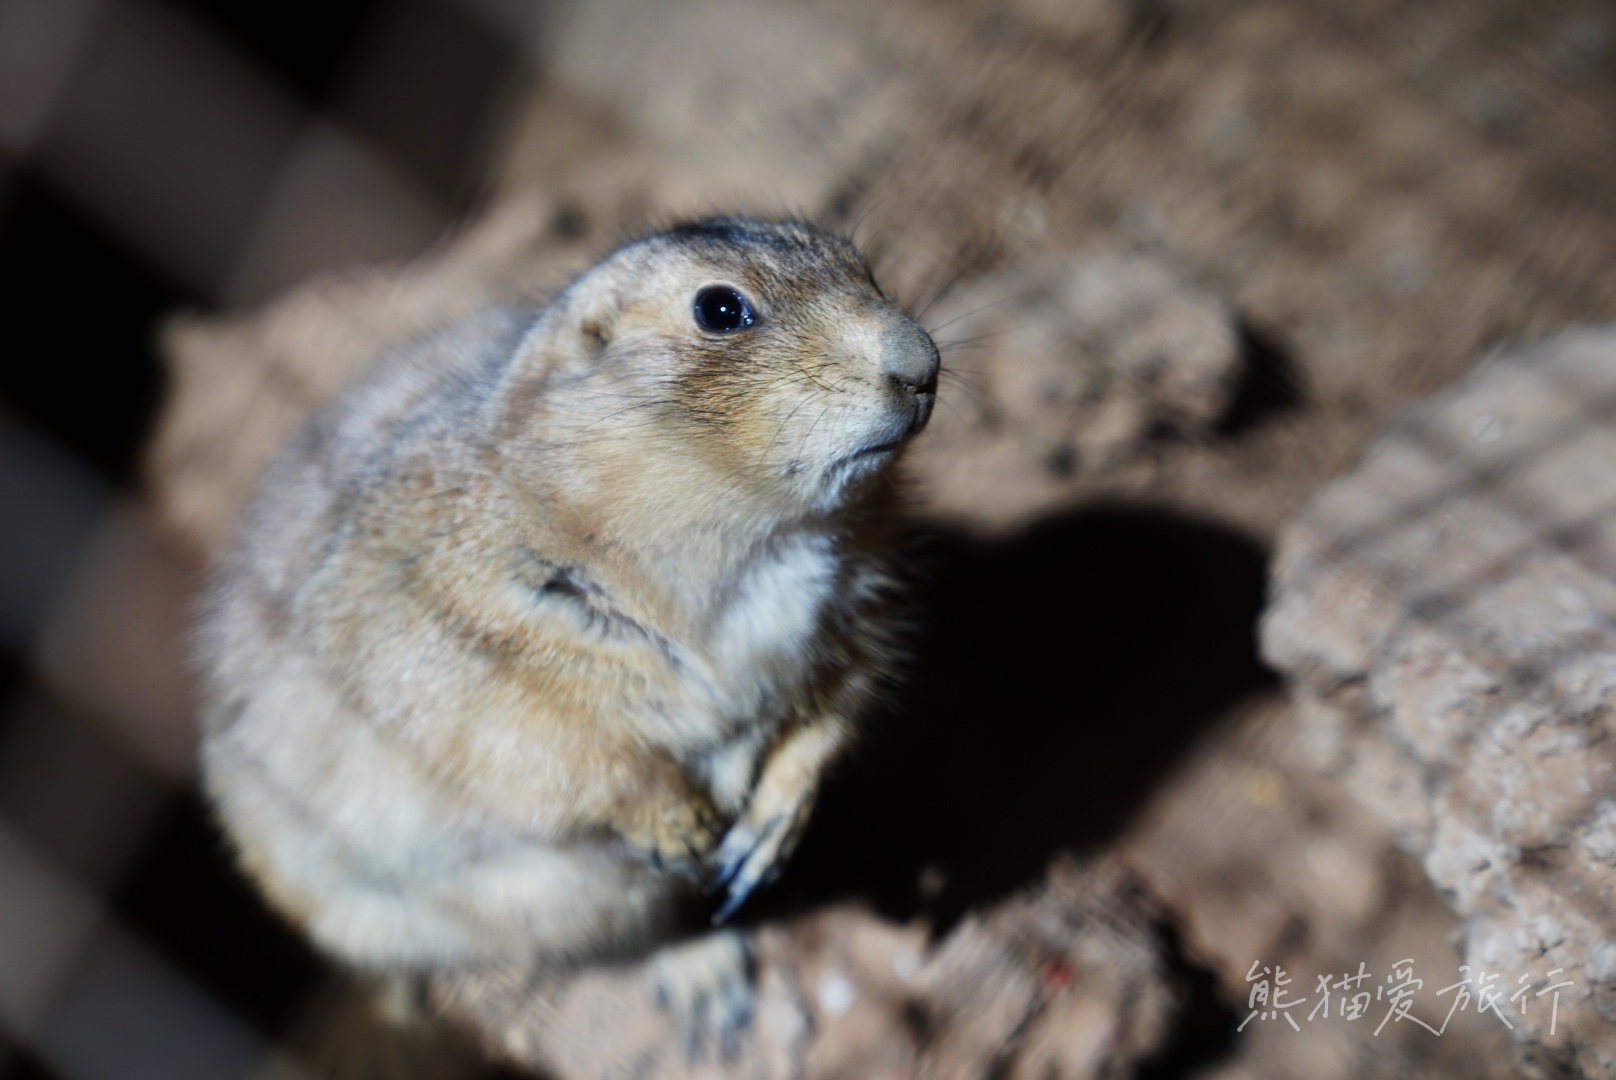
<point>722,310</point>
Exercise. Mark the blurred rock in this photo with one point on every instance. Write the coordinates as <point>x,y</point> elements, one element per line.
<point>1448,615</point>
<point>1066,981</point>
<point>1059,374</point>
<point>1259,860</point>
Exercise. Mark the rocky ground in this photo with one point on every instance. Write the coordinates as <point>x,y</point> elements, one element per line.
<point>1448,614</point>
<point>1186,261</point>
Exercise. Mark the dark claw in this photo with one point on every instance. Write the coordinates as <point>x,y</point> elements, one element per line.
<point>727,872</point>
<point>740,889</point>
<point>737,897</point>
<point>734,872</point>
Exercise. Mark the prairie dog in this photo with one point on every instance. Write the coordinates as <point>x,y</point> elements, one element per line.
<point>557,611</point>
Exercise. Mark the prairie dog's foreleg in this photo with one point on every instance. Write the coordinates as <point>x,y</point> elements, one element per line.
<point>757,845</point>
<point>669,821</point>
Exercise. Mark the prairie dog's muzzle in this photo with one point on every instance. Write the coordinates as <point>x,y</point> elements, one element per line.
<point>909,360</point>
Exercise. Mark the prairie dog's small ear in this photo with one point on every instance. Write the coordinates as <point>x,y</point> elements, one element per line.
<point>593,316</point>
<point>595,332</point>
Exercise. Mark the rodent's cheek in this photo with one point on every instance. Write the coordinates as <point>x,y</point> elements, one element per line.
<point>825,430</point>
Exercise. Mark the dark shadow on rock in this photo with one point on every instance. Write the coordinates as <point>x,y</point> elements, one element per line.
<point>1058,676</point>
<point>1204,1027</point>
<point>1269,383</point>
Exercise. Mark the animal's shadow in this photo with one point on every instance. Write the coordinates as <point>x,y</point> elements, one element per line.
<point>1057,675</point>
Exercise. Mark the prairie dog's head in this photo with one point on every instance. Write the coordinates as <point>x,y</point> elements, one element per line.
<point>761,351</point>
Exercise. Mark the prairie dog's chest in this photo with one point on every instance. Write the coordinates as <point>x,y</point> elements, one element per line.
<point>764,623</point>
<point>762,650</point>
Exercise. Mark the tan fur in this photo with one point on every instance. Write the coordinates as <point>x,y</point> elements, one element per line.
<point>553,610</point>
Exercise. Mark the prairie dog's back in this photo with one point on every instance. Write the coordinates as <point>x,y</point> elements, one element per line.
<point>419,392</point>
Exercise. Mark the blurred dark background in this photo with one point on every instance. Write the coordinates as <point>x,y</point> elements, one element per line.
<point>155,158</point>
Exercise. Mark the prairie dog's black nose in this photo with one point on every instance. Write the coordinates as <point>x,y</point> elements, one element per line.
<point>909,358</point>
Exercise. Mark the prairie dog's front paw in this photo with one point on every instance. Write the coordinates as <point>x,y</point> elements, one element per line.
<point>673,834</point>
<point>753,853</point>
<point>707,987</point>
